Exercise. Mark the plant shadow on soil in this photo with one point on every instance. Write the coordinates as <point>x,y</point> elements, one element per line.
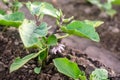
<point>12,47</point>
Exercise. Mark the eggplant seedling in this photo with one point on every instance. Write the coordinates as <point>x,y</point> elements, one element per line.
<point>35,34</point>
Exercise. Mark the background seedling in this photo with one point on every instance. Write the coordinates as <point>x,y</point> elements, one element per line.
<point>106,6</point>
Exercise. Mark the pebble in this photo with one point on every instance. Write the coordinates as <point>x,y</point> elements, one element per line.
<point>115,30</point>
<point>25,66</point>
<point>16,43</point>
<point>33,65</point>
<point>30,71</point>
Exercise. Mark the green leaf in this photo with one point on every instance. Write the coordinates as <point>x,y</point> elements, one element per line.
<point>111,12</point>
<point>93,23</point>
<point>52,40</point>
<point>116,2</point>
<point>95,2</point>
<point>81,29</point>
<point>107,6</point>
<point>37,70</point>
<point>67,67</point>
<point>34,8</point>
<point>82,77</point>
<point>42,8</point>
<point>16,5</point>
<point>99,74</point>
<point>14,19</point>
<point>19,62</point>
<point>48,9</point>
<point>2,12</point>
<point>30,33</point>
<point>43,55</point>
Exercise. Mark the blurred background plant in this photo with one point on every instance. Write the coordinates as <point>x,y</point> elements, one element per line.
<point>107,6</point>
<point>11,6</point>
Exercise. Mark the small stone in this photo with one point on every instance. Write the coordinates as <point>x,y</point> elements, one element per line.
<point>16,43</point>
<point>25,66</point>
<point>33,65</point>
<point>30,71</point>
<point>115,30</point>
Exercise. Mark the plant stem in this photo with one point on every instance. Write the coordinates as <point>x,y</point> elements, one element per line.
<point>64,36</point>
<point>37,20</point>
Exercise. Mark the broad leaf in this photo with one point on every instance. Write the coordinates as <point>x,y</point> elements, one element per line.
<point>81,29</point>
<point>30,33</point>
<point>94,23</point>
<point>19,62</point>
<point>52,40</point>
<point>14,19</point>
<point>34,8</point>
<point>99,74</point>
<point>42,8</point>
<point>48,9</point>
<point>67,67</point>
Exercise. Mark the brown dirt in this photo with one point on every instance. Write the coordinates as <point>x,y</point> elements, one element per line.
<point>12,47</point>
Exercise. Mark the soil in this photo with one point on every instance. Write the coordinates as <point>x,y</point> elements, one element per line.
<point>12,47</point>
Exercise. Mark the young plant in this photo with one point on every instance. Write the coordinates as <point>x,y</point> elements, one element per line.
<point>35,34</point>
<point>72,70</point>
<point>13,5</point>
<point>106,6</point>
